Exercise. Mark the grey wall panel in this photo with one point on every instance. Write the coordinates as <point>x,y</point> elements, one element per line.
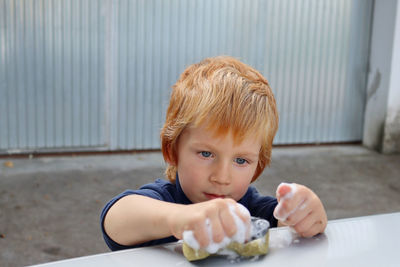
<point>314,53</point>
<point>317,65</point>
<point>51,81</point>
<point>97,74</point>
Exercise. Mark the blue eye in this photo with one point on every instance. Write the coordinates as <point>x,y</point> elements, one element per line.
<point>240,161</point>
<point>205,154</point>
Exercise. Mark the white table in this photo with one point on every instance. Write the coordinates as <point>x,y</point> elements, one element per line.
<point>362,241</point>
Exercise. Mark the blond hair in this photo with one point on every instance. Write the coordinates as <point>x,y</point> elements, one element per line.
<point>223,94</point>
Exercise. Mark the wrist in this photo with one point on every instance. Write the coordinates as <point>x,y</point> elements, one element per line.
<point>173,218</point>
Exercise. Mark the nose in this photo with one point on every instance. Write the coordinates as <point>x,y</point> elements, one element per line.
<point>221,172</point>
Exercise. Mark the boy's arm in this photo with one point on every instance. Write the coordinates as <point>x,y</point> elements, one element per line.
<point>135,219</point>
<point>300,208</point>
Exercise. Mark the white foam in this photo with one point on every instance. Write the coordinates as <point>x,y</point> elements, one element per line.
<point>243,231</point>
<point>282,239</point>
<point>289,195</point>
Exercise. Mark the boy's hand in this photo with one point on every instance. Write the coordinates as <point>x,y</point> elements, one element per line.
<point>300,208</point>
<point>193,217</point>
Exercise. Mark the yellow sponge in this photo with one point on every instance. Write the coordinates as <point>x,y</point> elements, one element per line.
<point>253,248</point>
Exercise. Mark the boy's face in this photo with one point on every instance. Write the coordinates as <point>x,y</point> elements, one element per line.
<point>214,167</point>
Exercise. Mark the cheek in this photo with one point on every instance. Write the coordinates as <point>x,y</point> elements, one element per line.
<point>192,183</point>
<point>240,189</point>
<point>190,171</point>
<point>247,172</point>
<point>243,184</point>
<point>243,178</point>
<point>192,163</point>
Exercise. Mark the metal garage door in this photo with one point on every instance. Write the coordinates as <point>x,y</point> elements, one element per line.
<point>96,75</point>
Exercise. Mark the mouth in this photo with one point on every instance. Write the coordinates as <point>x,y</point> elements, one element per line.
<point>213,196</point>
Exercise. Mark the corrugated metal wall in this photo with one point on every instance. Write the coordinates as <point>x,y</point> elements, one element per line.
<point>97,74</point>
<point>52,74</point>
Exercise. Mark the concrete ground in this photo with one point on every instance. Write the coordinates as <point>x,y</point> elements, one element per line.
<point>50,206</point>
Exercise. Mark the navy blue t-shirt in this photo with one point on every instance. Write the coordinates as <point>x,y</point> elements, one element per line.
<point>259,206</point>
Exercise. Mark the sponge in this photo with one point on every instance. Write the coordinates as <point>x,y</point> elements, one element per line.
<point>258,245</point>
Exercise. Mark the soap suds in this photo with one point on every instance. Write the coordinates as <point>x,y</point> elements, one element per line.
<point>243,229</point>
<point>282,239</point>
<point>289,195</point>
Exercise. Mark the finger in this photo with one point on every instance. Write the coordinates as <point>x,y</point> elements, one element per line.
<point>311,225</point>
<point>299,213</point>
<point>244,215</point>
<point>201,233</point>
<point>304,225</point>
<point>217,230</point>
<point>288,207</point>
<point>283,190</point>
<point>228,223</point>
<point>316,228</point>
<point>291,202</point>
<point>311,206</point>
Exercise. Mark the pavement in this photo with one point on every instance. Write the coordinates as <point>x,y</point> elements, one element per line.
<point>50,206</point>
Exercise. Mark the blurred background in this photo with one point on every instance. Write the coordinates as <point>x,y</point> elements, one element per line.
<point>84,86</point>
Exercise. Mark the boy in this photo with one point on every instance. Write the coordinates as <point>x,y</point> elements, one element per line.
<point>217,140</point>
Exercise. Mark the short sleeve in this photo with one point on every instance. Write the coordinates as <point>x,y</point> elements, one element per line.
<point>160,189</point>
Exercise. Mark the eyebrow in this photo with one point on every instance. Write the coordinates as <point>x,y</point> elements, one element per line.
<point>250,154</point>
<point>196,144</point>
<point>207,146</point>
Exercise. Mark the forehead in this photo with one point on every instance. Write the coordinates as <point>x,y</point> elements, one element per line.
<point>213,137</point>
